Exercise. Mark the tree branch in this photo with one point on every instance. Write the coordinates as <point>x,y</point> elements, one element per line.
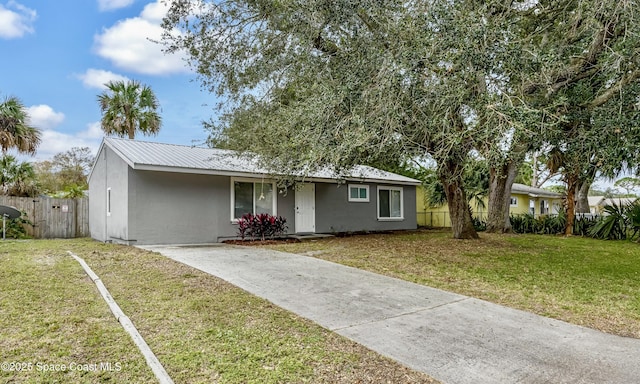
<point>587,65</point>
<point>324,45</point>
<point>559,84</point>
<point>610,92</point>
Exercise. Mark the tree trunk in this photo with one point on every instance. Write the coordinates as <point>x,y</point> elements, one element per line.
<point>534,177</point>
<point>582,202</point>
<point>572,184</point>
<point>459,213</point>
<point>500,183</point>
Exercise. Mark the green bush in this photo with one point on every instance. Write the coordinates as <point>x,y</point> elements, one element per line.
<point>15,227</point>
<point>478,223</point>
<point>633,217</point>
<point>619,222</point>
<point>583,224</point>
<point>524,223</point>
<point>545,224</point>
<point>552,224</point>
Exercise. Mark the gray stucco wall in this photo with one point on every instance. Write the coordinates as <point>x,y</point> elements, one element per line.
<point>97,199</point>
<point>118,181</point>
<point>178,208</point>
<point>334,212</point>
<point>111,172</point>
<point>149,207</point>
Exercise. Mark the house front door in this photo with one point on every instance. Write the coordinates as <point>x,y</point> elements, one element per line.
<point>306,208</point>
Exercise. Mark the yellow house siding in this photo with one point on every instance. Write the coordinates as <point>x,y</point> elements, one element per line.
<point>439,216</point>
<point>522,205</point>
<point>430,216</point>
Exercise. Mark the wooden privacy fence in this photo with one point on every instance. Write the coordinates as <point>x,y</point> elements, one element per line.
<point>51,217</point>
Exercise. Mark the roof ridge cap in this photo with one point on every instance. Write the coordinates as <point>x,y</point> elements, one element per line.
<point>122,139</point>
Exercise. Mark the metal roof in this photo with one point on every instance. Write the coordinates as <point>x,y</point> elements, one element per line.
<point>602,201</point>
<point>144,155</point>
<point>533,192</point>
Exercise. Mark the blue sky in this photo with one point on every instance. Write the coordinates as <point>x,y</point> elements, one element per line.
<point>56,56</point>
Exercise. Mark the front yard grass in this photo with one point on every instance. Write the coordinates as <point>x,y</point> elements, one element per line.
<point>201,328</point>
<point>593,283</point>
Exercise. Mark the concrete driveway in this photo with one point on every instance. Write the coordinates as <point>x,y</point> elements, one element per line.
<point>453,338</point>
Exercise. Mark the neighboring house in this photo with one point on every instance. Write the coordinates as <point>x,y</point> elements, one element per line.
<point>597,203</point>
<point>524,199</point>
<point>152,193</point>
<point>536,201</point>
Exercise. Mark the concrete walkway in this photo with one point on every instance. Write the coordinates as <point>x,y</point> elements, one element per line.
<point>453,338</point>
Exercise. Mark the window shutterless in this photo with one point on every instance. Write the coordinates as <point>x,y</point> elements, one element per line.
<point>248,196</point>
<point>390,203</point>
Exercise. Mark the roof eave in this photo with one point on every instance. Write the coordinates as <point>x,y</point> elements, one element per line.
<point>216,172</point>
<point>95,161</point>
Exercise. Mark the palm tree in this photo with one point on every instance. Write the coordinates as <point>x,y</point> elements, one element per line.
<point>24,181</point>
<point>14,130</point>
<point>127,107</point>
<point>8,166</point>
<point>17,178</point>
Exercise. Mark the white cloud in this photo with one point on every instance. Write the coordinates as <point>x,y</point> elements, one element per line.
<point>54,142</point>
<point>44,117</point>
<point>155,12</point>
<point>97,78</point>
<point>16,20</point>
<point>110,5</point>
<point>93,131</point>
<point>130,45</point>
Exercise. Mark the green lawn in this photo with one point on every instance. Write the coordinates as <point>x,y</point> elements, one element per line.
<point>202,329</point>
<point>584,281</point>
<point>205,330</point>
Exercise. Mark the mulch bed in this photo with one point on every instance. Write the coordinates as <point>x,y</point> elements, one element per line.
<point>257,242</point>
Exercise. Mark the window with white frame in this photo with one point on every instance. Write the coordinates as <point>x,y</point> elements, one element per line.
<point>544,207</point>
<point>390,203</point>
<point>514,201</point>
<point>359,193</point>
<point>249,196</point>
<point>108,201</point>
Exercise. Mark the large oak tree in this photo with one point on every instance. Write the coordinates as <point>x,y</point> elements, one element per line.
<point>589,71</point>
<point>314,82</point>
<point>580,73</point>
<point>311,83</point>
